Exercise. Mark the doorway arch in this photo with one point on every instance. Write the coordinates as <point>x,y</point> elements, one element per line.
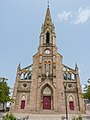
<point>47,97</point>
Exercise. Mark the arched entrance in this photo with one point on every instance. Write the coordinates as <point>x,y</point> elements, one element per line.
<point>23,102</point>
<point>71,103</point>
<point>47,101</point>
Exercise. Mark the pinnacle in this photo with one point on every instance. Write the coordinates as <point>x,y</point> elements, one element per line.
<point>19,66</point>
<point>76,66</point>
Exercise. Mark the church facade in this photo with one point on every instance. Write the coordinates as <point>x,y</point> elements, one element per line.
<point>47,85</point>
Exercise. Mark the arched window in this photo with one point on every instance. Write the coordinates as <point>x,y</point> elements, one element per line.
<point>40,69</point>
<point>73,76</point>
<point>49,68</point>
<point>69,76</point>
<point>25,76</point>
<point>45,68</point>
<point>21,77</point>
<point>30,76</point>
<point>47,37</point>
<point>65,76</point>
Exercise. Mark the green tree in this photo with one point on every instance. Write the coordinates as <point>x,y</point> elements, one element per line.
<point>86,93</point>
<point>4,91</point>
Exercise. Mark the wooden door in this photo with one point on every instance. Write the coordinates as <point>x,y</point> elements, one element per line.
<point>47,102</point>
<point>71,105</point>
<point>22,104</point>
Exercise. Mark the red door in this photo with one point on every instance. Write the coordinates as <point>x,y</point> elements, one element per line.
<point>47,102</point>
<point>22,104</point>
<point>71,105</point>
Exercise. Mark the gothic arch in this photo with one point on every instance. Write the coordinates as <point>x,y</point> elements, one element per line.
<point>49,33</point>
<point>46,86</point>
<point>70,95</point>
<point>23,97</point>
<point>47,97</point>
<point>71,102</point>
<point>47,83</point>
<point>47,30</point>
<point>47,61</point>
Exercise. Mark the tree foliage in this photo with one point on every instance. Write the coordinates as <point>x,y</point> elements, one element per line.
<point>79,118</point>
<point>87,90</point>
<point>4,91</point>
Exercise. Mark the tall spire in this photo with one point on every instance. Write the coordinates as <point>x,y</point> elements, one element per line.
<point>48,30</point>
<point>48,20</point>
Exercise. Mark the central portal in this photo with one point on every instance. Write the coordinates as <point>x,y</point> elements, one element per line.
<point>47,102</point>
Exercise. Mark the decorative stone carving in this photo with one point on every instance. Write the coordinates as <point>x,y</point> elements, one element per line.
<point>47,91</point>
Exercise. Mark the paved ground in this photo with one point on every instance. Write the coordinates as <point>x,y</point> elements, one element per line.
<point>51,117</point>
<point>45,116</point>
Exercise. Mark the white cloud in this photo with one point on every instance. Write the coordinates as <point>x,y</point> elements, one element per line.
<point>83,16</point>
<point>64,16</point>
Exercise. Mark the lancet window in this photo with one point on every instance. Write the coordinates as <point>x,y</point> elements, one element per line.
<point>47,37</point>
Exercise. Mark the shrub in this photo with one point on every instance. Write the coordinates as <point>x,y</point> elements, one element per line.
<point>79,118</point>
<point>9,116</point>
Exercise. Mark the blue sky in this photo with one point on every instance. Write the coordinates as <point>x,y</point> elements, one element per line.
<point>20,26</point>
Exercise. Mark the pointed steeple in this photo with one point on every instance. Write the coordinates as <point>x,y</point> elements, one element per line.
<point>48,22</point>
<point>48,36</point>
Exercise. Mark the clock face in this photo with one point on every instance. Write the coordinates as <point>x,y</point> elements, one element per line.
<point>47,51</point>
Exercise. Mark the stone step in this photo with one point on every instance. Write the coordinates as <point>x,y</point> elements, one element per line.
<point>47,112</point>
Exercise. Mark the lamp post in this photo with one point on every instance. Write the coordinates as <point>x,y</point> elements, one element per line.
<point>65,87</point>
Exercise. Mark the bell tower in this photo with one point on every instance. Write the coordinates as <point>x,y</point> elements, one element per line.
<point>47,48</point>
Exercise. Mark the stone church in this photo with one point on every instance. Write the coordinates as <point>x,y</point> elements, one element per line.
<point>47,85</point>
